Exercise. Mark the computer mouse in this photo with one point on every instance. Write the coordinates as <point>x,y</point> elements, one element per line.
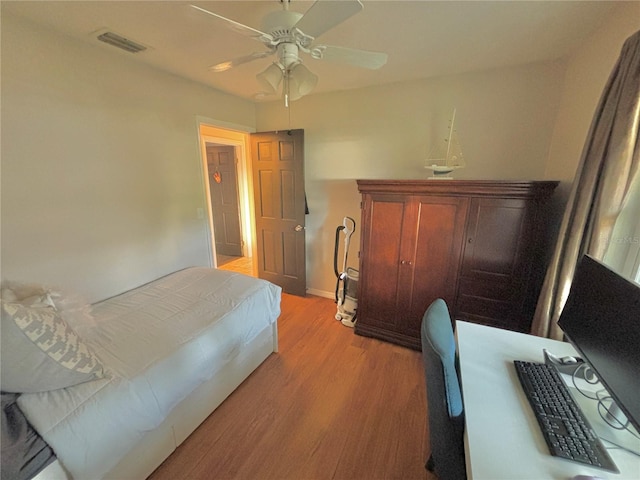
<point>586,477</point>
<point>568,361</point>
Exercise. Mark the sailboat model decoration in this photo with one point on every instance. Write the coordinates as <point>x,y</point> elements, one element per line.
<point>443,161</point>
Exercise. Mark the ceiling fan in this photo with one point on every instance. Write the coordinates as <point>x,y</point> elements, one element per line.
<point>286,34</point>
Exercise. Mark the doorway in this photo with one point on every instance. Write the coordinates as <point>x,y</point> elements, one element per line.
<point>276,243</point>
<point>229,200</point>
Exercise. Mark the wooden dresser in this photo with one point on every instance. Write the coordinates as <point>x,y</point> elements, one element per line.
<point>476,244</point>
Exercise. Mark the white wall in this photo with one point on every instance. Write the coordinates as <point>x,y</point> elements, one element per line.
<point>101,171</point>
<point>505,119</point>
<point>101,175</point>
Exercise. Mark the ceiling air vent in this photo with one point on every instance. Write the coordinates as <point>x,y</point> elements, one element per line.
<point>121,42</point>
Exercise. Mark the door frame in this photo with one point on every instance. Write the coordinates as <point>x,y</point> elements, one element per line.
<point>209,133</point>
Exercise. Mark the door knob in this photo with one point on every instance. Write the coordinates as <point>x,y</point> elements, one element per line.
<point>298,228</point>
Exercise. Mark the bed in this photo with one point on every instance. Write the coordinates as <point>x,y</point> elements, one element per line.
<point>171,351</point>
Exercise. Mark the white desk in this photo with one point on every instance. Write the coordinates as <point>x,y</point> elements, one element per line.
<point>502,437</point>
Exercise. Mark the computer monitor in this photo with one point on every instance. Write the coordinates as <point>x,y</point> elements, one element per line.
<point>601,318</point>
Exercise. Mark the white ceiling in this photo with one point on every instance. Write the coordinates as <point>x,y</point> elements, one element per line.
<point>422,38</point>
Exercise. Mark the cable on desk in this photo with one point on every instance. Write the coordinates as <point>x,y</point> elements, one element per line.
<point>601,396</point>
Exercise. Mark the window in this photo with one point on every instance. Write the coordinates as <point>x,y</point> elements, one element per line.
<point>623,252</point>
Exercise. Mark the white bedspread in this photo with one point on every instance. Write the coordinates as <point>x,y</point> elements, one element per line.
<point>159,342</point>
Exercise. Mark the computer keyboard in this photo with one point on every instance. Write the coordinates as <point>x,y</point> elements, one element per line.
<point>564,426</point>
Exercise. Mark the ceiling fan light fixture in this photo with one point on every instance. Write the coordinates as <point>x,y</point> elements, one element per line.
<point>270,78</point>
<point>302,81</point>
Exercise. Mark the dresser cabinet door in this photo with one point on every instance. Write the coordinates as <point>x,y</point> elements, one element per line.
<point>410,255</point>
<point>435,259</point>
<point>384,238</point>
<point>497,261</point>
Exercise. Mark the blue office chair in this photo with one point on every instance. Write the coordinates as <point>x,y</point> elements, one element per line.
<point>444,397</point>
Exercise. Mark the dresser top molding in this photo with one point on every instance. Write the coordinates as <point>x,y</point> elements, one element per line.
<point>460,187</point>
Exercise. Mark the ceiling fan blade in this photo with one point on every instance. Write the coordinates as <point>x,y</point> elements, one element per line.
<point>324,15</point>
<point>239,27</point>
<point>224,66</point>
<point>351,56</point>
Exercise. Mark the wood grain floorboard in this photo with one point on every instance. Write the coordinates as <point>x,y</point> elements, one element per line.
<point>328,405</point>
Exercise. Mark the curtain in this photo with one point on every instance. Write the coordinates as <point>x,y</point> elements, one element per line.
<point>608,168</point>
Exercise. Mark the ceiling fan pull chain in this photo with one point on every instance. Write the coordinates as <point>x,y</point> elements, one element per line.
<point>285,88</point>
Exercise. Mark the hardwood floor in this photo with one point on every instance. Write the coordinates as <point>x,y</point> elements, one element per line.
<point>329,405</point>
<point>236,264</point>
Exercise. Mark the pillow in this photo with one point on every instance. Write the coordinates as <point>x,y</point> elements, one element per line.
<point>23,292</point>
<point>40,352</point>
<point>71,306</point>
<point>36,299</point>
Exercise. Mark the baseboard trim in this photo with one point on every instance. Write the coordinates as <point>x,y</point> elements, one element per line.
<point>321,293</point>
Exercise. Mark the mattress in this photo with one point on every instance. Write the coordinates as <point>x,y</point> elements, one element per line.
<point>158,343</point>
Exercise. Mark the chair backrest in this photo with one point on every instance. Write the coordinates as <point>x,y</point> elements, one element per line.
<point>445,405</point>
